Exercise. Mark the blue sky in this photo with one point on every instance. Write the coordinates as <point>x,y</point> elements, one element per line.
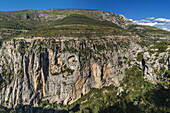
<point>136,10</point>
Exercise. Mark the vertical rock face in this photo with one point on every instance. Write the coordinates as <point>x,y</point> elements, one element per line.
<point>62,71</point>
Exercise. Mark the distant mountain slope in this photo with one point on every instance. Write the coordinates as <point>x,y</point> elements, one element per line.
<point>31,17</point>
<point>148,31</point>
<point>77,25</point>
<point>71,22</point>
<point>43,23</point>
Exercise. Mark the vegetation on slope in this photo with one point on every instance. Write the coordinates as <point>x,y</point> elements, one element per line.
<point>149,35</point>
<point>147,31</point>
<point>71,25</point>
<point>75,30</point>
<point>76,26</point>
<point>161,46</point>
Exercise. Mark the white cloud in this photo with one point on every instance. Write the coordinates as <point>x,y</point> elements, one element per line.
<point>145,21</point>
<point>142,22</point>
<point>161,23</point>
<point>151,18</point>
<point>162,20</point>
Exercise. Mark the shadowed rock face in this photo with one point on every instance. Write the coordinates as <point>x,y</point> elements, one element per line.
<point>64,70</point>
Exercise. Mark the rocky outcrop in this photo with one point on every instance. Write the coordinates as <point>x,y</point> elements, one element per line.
<point>64,70</point>
<point>155,64</point>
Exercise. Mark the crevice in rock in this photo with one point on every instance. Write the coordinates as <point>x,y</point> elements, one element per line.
<point>45,64</point>
<point>26,70</point>
<point>56,60</point>
<point>144,66</point>
<point>168,62</point>
<point>102,72</point>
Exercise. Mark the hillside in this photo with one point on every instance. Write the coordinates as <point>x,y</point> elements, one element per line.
<point>62,22</point>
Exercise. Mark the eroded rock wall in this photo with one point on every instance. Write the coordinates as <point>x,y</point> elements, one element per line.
<point>63,70</point>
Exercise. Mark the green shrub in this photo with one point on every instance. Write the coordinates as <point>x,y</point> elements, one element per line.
<point>140,56</point>
<point>162,48</point>
<point>44,103</point>
<point>161,61</point>
<point>101,47</point>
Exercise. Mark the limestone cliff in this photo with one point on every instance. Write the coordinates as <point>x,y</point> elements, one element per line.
<point>63,70</point>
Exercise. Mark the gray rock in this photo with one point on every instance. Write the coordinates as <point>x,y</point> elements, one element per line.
<point>62,71</point>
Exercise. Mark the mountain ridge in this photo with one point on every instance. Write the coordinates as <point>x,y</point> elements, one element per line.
<point>30,19</point>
